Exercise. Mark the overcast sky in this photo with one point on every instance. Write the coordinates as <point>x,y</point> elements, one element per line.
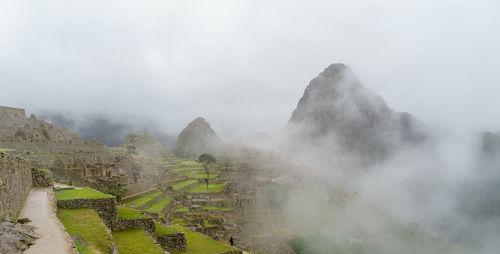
<point>243,65</point>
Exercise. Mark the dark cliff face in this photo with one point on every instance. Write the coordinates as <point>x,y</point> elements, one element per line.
<point>197,138</point>
<point>337,109</point>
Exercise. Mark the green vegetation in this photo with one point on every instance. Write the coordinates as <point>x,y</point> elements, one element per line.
<point>222,209</point>
<point>6,149</point>
<point>135,242</point>
<point>143,200</point>
<point>86,223</point>
<point>159,206</point>
<point>208,224</point>
<point>44,170</point>
<point>180,221</point>
<point>200,244</point>
<point>81,193</point>
<point>163,230</point>
<point>190,163</point>
<point>117,190</point>
<point>203,176</point>
<point>186,169</point>
<point>180,209</point>
<point>182,185</point>
<point>129,213</point>
<point>202,188</point>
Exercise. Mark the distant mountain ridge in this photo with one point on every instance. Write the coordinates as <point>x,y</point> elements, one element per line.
<point>338,112</point>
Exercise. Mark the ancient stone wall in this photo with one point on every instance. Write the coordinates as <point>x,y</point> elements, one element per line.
<point>42,177</point>
<point>65,175</point>
<point>147,224</point>
<point>105,207</point>
<point>15,184</point>
<point>173,242</point>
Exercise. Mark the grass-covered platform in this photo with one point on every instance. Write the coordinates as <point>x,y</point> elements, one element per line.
<point>202,188</point>
<point>222,209</point>
<point>86,223</point>
<point>80,193</point>
<point>163,230</point>
<point>135,241</point>
<point>200,244</point>
<point>129,213</point>
<point>144,200</point>
<point>183,184</point>
<point>160,205</point>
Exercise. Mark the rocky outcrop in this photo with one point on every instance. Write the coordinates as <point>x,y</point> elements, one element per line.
<point>197,138</point>
<point>15,184</point>
<point>15,238</point>
<point>42,177</point>
<point>339,115</point>
<point>145,146</point>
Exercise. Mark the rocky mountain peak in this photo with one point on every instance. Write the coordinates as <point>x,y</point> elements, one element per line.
<point>198,137</point>
<point>337,108</point>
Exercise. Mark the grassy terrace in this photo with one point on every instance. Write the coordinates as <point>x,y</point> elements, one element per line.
<point>222,209</point>
<point>202,188</point>
<point>6,149</point>
<point>190,163</point>
<point>180,209</point>
<point>86,223</point>
<point>200,244</point>
<point>180,221</point>
<point>181,185</point>
<point>203,176</point>
<point>187,169</point>
<point>163,230</point>
<point>135,241</point>
<point>159,206</point>
<point>81,193</point>
<point>142,201</point>
<point>129,213</point>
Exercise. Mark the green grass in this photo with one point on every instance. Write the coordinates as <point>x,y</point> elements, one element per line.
<point>181,185</point>
<point>202,188</point>
<point>180,221</point>
<point>129,213</point>
<point>222,209</point>
<point>163,230</point>
<point>180,209</point>
<point>187,169</point>
<point>190,163</point>
<point>44,170</point>
<point>86,223</point>
<point>143,200</point>
<point>200,244</point>
<point>203,176</point>
<point>208,224</point>
<point>83,193</point>
<point>159,206</point>
<point>135,242</point>
<point>6,149</point>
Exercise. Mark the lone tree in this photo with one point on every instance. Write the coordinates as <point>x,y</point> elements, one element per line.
<point>207,161</point>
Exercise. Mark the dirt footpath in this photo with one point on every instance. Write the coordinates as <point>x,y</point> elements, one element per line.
<point>39,208</point>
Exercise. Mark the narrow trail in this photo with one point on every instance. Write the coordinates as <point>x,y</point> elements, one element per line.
<point>40,210</point>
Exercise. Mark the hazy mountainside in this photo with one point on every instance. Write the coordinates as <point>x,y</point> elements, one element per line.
<point>491,143</point>
<point>145,145</point>
<point>338,112</point>
<point>111,131</point>
<point>197,138</point>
